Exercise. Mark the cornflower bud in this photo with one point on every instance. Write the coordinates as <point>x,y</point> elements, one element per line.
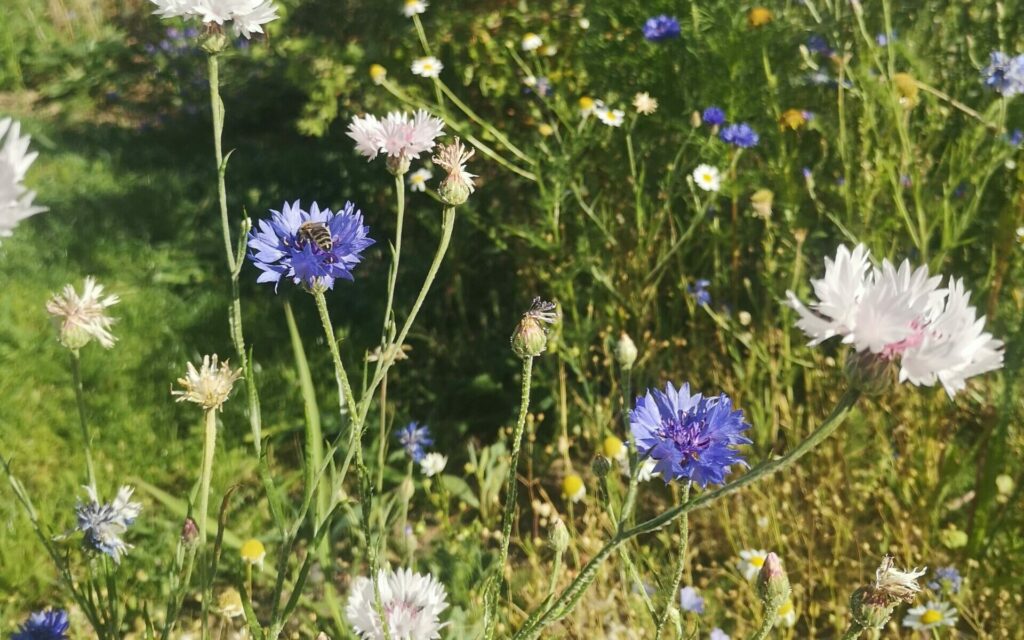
<point>772,582</point>
<point>625,351</point>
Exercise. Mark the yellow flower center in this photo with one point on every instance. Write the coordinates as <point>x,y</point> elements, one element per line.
<point>253,550</point>
<point>931,616</point>
<point>786,608</point>
<point>572,485</point>
<point>708,178</point>
<point>586,103</point>
<point>759,16</point>
<point>613,447</point>
<point>757,561</point>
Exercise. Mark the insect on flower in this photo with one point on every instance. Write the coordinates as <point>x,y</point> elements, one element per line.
<point>316,233</point>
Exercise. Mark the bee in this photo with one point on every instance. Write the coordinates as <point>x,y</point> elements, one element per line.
<point>317,233</point>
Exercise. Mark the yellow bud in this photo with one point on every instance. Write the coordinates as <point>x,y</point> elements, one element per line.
<point>759,16</point>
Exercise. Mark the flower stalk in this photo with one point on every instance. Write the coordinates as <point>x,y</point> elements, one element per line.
<point>76,381</point>
<point>677,576</point>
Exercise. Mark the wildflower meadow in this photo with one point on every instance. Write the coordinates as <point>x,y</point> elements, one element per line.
<point>515,319</point>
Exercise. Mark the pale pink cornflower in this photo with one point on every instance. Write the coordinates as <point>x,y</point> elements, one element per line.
<point>246,16</point>
<point>398,136</point>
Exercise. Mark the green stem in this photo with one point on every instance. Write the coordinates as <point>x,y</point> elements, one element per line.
<point>76,380</point>
<point>853,632</point>
<point>206,472</point>
<point>570,595</point>
<point>767,624</point>
<point>387,332</point>
<point>677,576</point>
<point>217,109</point>
<point>510,500</point>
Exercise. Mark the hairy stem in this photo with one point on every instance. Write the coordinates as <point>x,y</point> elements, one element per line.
<point>677,576</point>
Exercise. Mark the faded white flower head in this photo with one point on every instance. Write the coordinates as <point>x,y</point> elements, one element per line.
<point>707,177</point>
<point>209,385</point>
<point>458,184</point>
<point>645,104</point>
<point>414,7</point>
<point>610,117</point>
<point>418,179</point>
<point>433,463</point>
<point>246,16</point>
<point>531,42</point>
<point>399,136</point>
<point>15,159</point>
<point>83,318</point>
<point>412,604</point>
<point>901,313</point>
<point>896,584</point>
<point>427,67</point>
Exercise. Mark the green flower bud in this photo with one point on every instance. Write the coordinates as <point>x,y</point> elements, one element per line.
<point>625,351</point>
<point>454,190</point>
<point>868,610</point>
<point>397,166</point>
<point>214,41</point>
<point>601,466</point>
<point>530,338</point>
<point>558,537</point>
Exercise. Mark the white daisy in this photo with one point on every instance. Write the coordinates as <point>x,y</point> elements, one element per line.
<point>707,177</point>
<point>427,67</point>
<point>411,602</point>
<point>645,105</point>
<point>83,318</point>
<point>433,463</point>
<point>246,16</point>
<point>15,159</point>
<point>589,106</point>
<point>418,179</point>
<point>900,313</point>
<point>751,561</point>
<point>573,487</point>
<point>787,614</point>
<point>414,7</point>
<point>933,615</point>
<point>610,117</point>
<point>531,42</point>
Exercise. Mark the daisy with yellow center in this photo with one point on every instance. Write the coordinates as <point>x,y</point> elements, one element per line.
<point>751,561</point>
<point>933,615</point>
<point>611,117</point>
<point>427,67</point>
<point>793,119</point>
<point>418,179</point>
<point>253,552</point>
<point>531,42</point>
<point>587,105</point>
<point>707,177</point>
<point>573,487</point>
<point>787,614</point>
<point>414,7</point>
<point>614,448</point>
<point>378,73</point>
<point>230,603</point>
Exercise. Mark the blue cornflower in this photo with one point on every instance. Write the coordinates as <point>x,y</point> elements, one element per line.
<point>1004,74</point>
<point>740,135</point>
<point>312,248</point>
<point>713,116</point>
<point>660,28</point>
<point>1015,138</point>
<point>414,439</point>
<point>946,578</point>
<point>690,600</point>
<point>883,39</point>
<point>818,44</point>
<point>51,624</point>
<point>699,291</point>
<point>688,436</point>
<point>104,523</point>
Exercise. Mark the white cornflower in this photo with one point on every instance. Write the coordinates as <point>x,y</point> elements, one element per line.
<point>15,159</point>
<point>894,584</point>
<point>399,136</point>
<point>458,184</point>
<point>531,42</point>
<point>414,7</point>
<point>418,179</point>
<point>751,561</point>
<point>900,313</point>
<point>427,67</point>
<point>787,614</point>
<point>645,105</point>
<point>246,16</point>
<point>933,615</point>
<point>209,386</point>
<point>647,471</point>
<point>83,318</point>
<point>610,117</point>
<point>411,602</point>
<point>707,177</point>
<point>433,463</point>
<point>104,524</point>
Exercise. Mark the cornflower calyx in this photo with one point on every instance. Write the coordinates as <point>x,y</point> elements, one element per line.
<point>530,338</point>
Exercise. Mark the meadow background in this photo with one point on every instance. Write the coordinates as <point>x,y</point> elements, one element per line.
<point>907,151</point>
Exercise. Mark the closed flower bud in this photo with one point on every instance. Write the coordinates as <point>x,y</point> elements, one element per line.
<point>406,489</point>
<point>868,611</point>
<point>695,120</point>
<point>625,351</point>
<point>601,466</point>
<point>906,90</point>
<point>761,202</point>
<point>558,537</point>
<point>772,582</point>
<point>189,532</point>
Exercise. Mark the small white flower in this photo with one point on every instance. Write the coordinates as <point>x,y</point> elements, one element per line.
<point>531,42</point>
<point>418,179</point>
<point>414,7</point>
<point>645,105</point>
<point>209,385</point>
<point>15,159</point>
<point>589,106</point>
<point>584,23</point>
<point>933,615</point>
<point>647,471</point>
<point>549,50</point>
<point>610,117</point>
<point>412,603</point>
<point>433,463</point>
<point>707,177</point>
<point>787,614</point>
<point>1020,234</point>
<point>751,561</point>
<point>83,318</point>
<point>247,16</point>
<point>427,67</point>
